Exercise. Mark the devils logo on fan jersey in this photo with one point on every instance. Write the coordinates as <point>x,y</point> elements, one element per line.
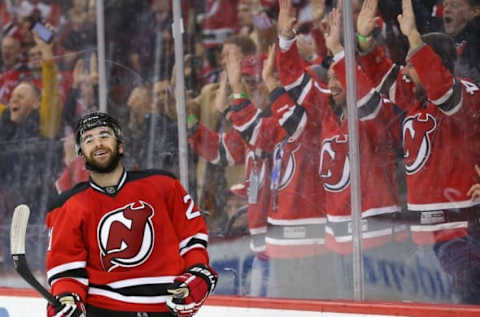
<point>334,163</point>
<point>417,146</point>
<point>251,163</point>
<point>125,235</point>
<point>289,165</point>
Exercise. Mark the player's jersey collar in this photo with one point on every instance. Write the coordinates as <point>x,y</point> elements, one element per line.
<point>110,190</point>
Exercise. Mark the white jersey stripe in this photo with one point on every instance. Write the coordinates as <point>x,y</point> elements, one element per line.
<point>274,241</point>
<point>128,299</point>
<point>440,226</point>
<point>200,236</point>
<point>142,281</point>
<point>365,235</point>
<point>185,250</point>
<point>82,281</point>
<point>445,205</point>
<point>66,267</point>
<point>302,221</point>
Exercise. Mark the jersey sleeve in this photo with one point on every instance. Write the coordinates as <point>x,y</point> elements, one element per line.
<point>291,67</point>
<point>442,88</point>
<point>369,101</point>
<point>189,226</point>
<point>67,252</point>
<point>302,82</point>
<point>264,130</point>
<point>223,149</point>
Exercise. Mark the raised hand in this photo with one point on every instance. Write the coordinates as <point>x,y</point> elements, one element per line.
<point>233,66</point>
<point>221,101</point>
<point>93,76</point>
<point>407,19</point>
<point>286,19</point>
<point>79,73</point>
<point>334,35</point>
<point>474,191</point>
<point>46,48</point>
<point>268,72</point>
<point>318,13</point>
<point>367,18</point>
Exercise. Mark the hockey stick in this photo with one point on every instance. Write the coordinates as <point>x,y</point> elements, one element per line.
<point>18,233</point>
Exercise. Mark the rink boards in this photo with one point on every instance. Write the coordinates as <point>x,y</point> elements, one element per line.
<point>22,302</point>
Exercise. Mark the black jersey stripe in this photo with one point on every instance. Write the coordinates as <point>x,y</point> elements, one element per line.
<point>222,154</point>
<point>454,101</point>
<point>370,106</point>
<point>195,241</point>
<point>241,106</point>
<point>293,122</point>
<point>389,80</point>
<point>75,273</point>
<point>159,289</point>
<point>297,91</point>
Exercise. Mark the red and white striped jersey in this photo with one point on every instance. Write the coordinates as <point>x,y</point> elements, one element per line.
<point>333,166</point>
<point>220,21</point>
<point>120,247</point>
<point>378,136</point>
<point>440,141</point>
<point>296,219</point>
<point>229,148</point>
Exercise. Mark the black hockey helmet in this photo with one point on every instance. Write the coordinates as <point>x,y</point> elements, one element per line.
<point>93,120</point>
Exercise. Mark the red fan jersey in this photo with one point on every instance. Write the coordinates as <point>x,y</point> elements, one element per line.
<point>333,166</point>
<point>229,148</point>
<point>378,144</point>
<point>219,22</point>
<point>120,247</point>
<point>296,219</point>
<point>440,141</point>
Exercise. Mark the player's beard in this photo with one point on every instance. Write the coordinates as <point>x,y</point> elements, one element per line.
<point>92,165</point>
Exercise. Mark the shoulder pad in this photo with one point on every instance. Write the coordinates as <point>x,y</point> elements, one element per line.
<point>60,199</point>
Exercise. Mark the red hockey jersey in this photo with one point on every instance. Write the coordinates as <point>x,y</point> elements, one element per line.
<point>440,141</point>
<point>229,148</point>
<point>219,22</point>
<point>377,154</point>
<point>378,144</point>
<point>120,247</point>
<point>296,220</point>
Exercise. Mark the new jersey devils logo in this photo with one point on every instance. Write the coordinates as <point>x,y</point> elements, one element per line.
<point>125,235</point>
<point>288,170</point>
<point>334,164</point>
<point>416,140</point>
<point>251,167</point>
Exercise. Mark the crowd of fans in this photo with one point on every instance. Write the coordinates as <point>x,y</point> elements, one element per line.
<point>267,122</point>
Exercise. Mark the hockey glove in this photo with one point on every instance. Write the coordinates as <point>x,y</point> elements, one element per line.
<point>71,305</point>
<point>191,289</point>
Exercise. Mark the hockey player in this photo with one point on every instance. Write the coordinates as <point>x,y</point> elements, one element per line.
<point>440,144</point>
<point>125,243</point>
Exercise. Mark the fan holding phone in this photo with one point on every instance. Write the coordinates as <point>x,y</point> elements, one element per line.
<point>44,31</point>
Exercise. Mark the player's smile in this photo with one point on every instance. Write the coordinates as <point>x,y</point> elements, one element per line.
<point>101,153</point>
